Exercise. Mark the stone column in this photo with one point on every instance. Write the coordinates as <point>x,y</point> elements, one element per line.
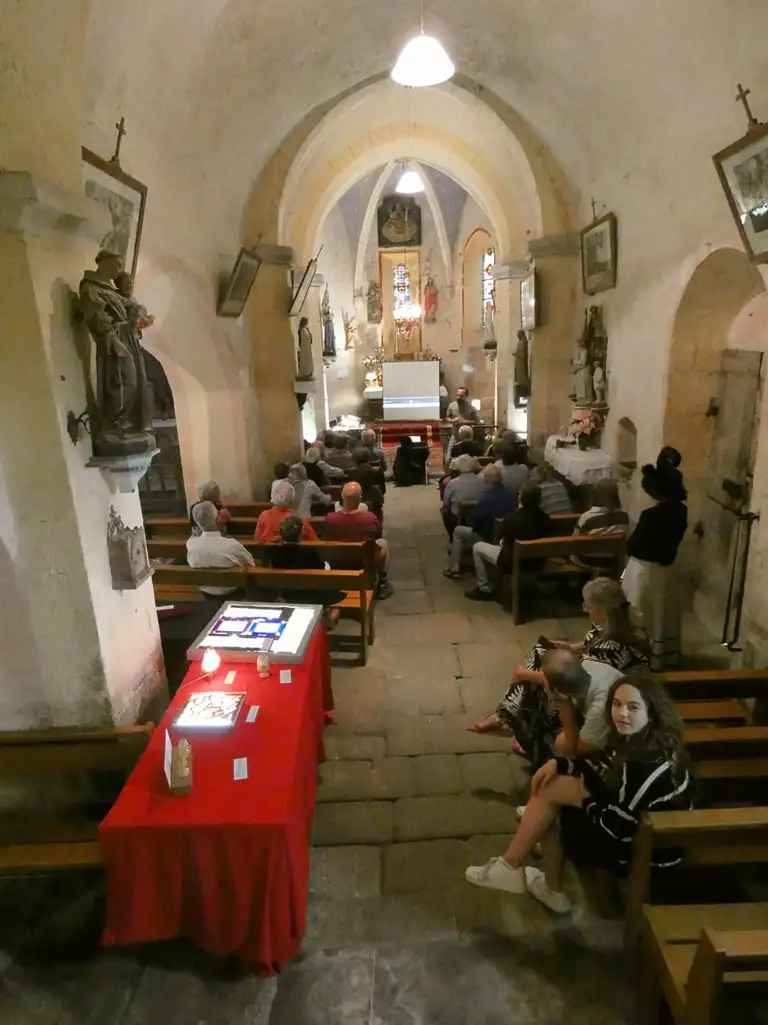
<point>273,365</point>
<point>507,277</point>
<point>556,258</point>
<point>73,651</point>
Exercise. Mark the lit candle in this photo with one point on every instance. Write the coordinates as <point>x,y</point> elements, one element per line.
<point>211,661</point>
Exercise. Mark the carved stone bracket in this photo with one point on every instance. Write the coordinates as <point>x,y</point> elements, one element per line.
<point>128,558</point>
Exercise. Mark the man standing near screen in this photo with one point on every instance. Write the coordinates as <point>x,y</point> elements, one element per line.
<point>460,412</point>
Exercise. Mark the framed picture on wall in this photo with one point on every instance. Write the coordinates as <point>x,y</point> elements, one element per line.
<point>125,199</point>
<point>529,302</point>
<point>598,255</point>
<point>235,291</point>
<point>399,222</point>
<point>743,171</point>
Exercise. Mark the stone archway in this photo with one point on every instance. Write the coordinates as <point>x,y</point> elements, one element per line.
<point>719,288</point>
<point>161,489</point>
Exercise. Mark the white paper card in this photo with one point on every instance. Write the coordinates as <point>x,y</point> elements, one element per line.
<point>285,676</point>
<point>253,711</point>
<point>168,757</point>
<point>240,766</point>
<point>230,677</point>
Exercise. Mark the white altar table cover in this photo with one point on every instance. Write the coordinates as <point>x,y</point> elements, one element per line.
<point>579,467</point>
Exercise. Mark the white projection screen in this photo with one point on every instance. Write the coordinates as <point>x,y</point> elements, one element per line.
<point>412,390</point>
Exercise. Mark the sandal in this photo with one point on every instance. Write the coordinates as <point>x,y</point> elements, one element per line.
<point>491,724</point>
<point>452,574</point>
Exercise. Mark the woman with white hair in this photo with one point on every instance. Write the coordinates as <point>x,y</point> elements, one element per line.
<point>312,466</point>
<point>268,523</point>
<point>305,492</point>
<point>210,492</point>
<point>467,487</point>
<point>466,445</point>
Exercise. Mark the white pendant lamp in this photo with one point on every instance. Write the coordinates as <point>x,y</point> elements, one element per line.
<point>423,61</point>
<point>410,183</point>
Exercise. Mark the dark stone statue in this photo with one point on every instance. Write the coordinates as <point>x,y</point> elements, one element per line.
<point>121,417</point>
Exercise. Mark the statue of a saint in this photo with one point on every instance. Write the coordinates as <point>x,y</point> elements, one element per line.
<point>374,304</point>
<point>329,331</point>
<point>121,418</point>
<point>490,327</point>
<point>430,301</point>
<point>598,383</point>
<point>582,376</point>
<point>350,330</point>
<point>522,370</point>
<point>306,363</point>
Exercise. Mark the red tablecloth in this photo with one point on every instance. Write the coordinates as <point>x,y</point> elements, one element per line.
<point>226,866</point>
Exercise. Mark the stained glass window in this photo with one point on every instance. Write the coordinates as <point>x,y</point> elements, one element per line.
<point>489,261</point>
<point>401,288</point>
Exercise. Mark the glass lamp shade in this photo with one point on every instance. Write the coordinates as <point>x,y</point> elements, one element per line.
<point>211,661</point>
<point>410,183</point>
<point>423,62</point>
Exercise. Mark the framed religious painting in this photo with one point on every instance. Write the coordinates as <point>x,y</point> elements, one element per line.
<point>234,292</point>
<point>743,171</point>
<point>399,222</point>
<point>529,302</point>
<point>598,255</point>
<point>124,198</point>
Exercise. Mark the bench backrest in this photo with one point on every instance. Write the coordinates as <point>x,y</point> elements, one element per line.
<point>726,742</point>
<point>272,579</point>
<point>67,751</point>
<point>703,684</point>
<point>613,545</point>
<point>340,554</point>
<point>239,526</point>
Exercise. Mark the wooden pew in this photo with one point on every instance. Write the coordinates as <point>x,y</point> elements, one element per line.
<point>69,840</point>
<point>717,684</point>
<point>181,584</point>
<point>706,837</point>
<point>556,551</point>
<point>339,554</point>
<point>690,956</point>
<point>564,525</point>
<point>239,527</point>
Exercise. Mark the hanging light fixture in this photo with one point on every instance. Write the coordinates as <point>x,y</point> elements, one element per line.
<point>410,183</point>
<point>423,61</point>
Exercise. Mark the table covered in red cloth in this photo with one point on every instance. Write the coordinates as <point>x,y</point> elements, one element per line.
<point>226,866</point>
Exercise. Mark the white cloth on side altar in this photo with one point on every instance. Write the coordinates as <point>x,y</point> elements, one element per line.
<point>579,467</point>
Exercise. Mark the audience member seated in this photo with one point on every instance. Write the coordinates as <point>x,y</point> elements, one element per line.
<point>281,471</point>
<point>290,553</point>
<point>268,523</point>
<point>210,492</point>
<point>315,472</point>
<point>377,454</point>
<point>306,492</point>
<point>650,578</point>
<point>513,472</point>
<point>554,494</point>
<point>508,437</point>
<point>527,523</point>
<point>211,550</point>
<point>340,455</point>
<point>371,481</point>
<point>604,517</point>
<point>334,473</point>
<point>410,463</point>
<point>467,487</point>
<point>352,524</point>
<point>527,709</point>
<point>598,799</point>
<point>466,446</point>
<point>459,412</point>
<point>494,503</point>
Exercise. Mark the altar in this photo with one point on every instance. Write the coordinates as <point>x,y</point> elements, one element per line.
<point>579,466</point>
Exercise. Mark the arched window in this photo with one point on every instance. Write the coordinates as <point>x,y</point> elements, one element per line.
<point>401,289</point>
<point>489,261</point>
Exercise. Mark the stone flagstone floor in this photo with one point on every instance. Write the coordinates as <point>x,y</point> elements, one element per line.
<point>394,934</point>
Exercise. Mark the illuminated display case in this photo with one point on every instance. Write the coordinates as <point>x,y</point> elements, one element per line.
<point>241,631</point>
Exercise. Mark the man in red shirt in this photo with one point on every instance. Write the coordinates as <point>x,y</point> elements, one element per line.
<point>268,523</point>
<point>350,524</point>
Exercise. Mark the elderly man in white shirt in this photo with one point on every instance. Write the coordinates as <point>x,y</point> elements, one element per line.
<point>329,471</point>
<point>211,550</point>
<point>467,487</point>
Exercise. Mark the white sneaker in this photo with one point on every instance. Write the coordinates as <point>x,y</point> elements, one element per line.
<point>496,875</point>
<point>519,812</point>
<point>537,887</point>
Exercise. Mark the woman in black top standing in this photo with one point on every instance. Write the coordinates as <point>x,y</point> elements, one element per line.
<point>650,581</point>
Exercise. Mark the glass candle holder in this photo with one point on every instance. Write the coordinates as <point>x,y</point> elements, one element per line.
<point>262,664</point>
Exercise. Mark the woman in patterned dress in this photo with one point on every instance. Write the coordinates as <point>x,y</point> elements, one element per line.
<point>526,710</point>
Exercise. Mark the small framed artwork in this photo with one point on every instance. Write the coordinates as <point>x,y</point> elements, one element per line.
<point>124,198</point>
<point>234,292</point>
<point>598,255</point>
<point>529,302</point>
<point>299,297</point>
<point>743,171</point>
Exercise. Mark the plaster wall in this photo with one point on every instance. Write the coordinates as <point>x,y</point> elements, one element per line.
<point>344,377</point>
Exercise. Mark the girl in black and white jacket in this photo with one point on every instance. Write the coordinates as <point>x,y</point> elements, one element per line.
<point>598,798</point>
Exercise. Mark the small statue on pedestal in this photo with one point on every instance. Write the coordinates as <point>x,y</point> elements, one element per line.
<point>598,383</point>
<point>120,415</point>
<point>306,363</point>
<point>582,376</point>
<point>522,370</point>
<point>374,305</point>
<point>430,301</point>
<point>329,331</point>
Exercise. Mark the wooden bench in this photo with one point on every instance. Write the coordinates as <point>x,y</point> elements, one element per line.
<point>706,837</point>
<point>717,684</point>
<point>69,839</point>
<point>564,525</point>
<point>690,956</point>
<point>181,584</point>
<point>557,551</point>
<point>339,554</point>
<point>239,527</point>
